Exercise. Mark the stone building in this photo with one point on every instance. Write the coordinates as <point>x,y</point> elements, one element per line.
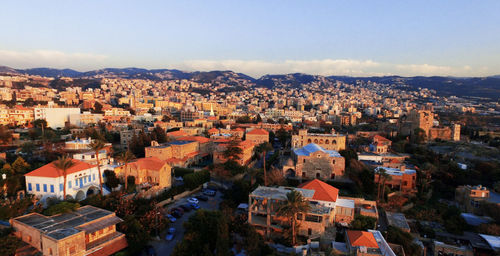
<point>149,171</point>
<point>257,136</point>
<point>470,197</point>
<point>331,141</point>
<point>402,179</point>
<point>86,231</point>
<point>313,161</point>
<point>181,153</point>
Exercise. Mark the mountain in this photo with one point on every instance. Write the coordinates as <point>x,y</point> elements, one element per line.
<point>50,72</point>
<point>487,87</point>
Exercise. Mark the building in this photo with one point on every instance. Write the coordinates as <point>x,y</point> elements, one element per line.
<point>367,243</point>
<point>470,198</point>
<point>181,153</point>
<point>148,171</point>
<point>82,179</point>
<point>245,157</point>
<point>263,206</point>
<point>331,141</point>
<point>88,230</point>
<point>313,161</point>
<point>402,179</point>
<point>55,117</point>
<point>380,145</point>
<point>257,136</point>
<point>126,137</point>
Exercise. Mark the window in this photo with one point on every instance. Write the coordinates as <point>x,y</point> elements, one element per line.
<point>61,187</point>
<point>93,177</point>
<point>318,155</point>
<point>38,187</point>
<point>69,184</point>
<point>303,174</point>
<point>333,161</point>
<point>50,251</point>
<point>29,187</point>
<point>51,188</point>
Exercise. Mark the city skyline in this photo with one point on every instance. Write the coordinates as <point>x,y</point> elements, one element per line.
<point>325,38</point>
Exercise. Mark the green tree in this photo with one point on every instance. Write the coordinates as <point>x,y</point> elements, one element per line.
<point>262,149</point>
<point>233,150</point>
<point>40,123</point>
<point>62,207</point>
<point>295,203</point>
<point>97,146</point>
<point>63,164</point>
<point>19,166</point>
<point>125,158</point>
<point>111,179</point>
<point>361,222</point>
<point>136,233</point>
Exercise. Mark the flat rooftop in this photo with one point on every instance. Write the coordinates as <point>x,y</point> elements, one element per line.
<point>280,192</point>
<point>397,219</point>
<point>395,171</point>
<point>66,224</point>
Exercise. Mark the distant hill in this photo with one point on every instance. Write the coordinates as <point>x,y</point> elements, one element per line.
<point>488,87</point>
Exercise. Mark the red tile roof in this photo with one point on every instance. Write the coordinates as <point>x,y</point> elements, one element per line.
<point>258,132</point>
<point>380,138</point>
<point>200,139</point>
<point>177,134</point>
<point>148,163</point>
<point>50,170</point>
<point>322,191</point>
<point>362,238</point>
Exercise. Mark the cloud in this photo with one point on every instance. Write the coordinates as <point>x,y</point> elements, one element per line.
<point>260,67</point>
<point>50,58</point>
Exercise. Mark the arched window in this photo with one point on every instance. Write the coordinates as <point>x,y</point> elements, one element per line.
<point>327,142</point>
<point>316,141</point>
<point>321,141</point>
<point>333,161</point>
<point>334,142</point>
<point>309,141</point>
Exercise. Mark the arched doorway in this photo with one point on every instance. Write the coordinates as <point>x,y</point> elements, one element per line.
<point>92,191</point>
<point>290,173</point>
<point>80,195</point>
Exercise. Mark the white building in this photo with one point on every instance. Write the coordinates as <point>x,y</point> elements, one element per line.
<point>55,117</point>
<point>82,179</point>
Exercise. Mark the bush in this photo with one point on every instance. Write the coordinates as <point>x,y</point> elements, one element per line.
<point>196,179</point>
<point>398,236</point>
<point>180,172</point>
<point>361,222</point>
<point>61,207</point>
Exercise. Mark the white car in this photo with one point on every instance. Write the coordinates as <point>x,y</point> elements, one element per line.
<point>193,200</point>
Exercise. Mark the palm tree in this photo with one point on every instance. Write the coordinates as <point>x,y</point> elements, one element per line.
<point>96,146</point>
<point>63,164</point>
<point>295,203</point>
<point>263,148</point>
<point>386,177</point>
<point>126,158</point>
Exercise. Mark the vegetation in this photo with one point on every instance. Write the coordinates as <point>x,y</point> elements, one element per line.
<point>398,236</point>
<point>294,204</point>
<point>97,146</point>
<point>263,148</point>
<point>196,179</point>
<point>361,222</point>
<point>63,164</point>
<point>9,242</point>
<point>61,207</point>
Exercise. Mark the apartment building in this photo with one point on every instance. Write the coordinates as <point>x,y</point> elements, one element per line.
<point>56,117</point>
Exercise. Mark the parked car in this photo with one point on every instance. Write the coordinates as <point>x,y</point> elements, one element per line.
<point>186,207</point>
<point>202,198</point>
<point>170,234</point>
<point>150,250</point>
<point>194,206</point>
<point>193,200</point>
<point>209,192</point>
<point>178,209</point>
<point>171,218</point>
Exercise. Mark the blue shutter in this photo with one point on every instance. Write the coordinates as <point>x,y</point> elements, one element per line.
<point>93,177</point>
<point>29,187</point>
<point>61,187</point>
<point>51,188</point>
<point>37,187</point>
<point>69,184</point>
<point>44,187</point>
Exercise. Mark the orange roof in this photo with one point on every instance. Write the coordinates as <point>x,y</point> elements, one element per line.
<point>200,139</point>
<point>380,138</point>
<point>50,170</point>
<point>361,238</point>
<point>148,163</point>
<point>322,191</point>
<point>177,133</point>
<point>213,130</point>
<point>239,129</point>
<point>258,131</point>
<point>246,144</point>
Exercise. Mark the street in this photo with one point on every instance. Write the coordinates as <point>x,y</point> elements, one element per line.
<point>164,247</point>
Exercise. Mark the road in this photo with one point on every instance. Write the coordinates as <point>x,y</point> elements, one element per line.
<point>164,247</point>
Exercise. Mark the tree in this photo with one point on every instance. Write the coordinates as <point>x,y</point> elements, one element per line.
<point>263,148</point>
<point>295,203</point>
<point>361,222</point>
<point>63,164</point>
<point>97,146</point>
<point>126,158</point>
<point>386,177</point>
<point>20,166</point>
<point>5,134</point>
<point>233,150</point>
<point>61,207</point>
<point>42,123</point>
<point>111,179</point>
<point>283,136</point>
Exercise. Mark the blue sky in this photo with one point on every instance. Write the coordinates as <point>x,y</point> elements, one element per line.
<point>459,38</point>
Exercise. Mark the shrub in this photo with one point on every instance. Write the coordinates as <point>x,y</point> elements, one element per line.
<point>61,207</point>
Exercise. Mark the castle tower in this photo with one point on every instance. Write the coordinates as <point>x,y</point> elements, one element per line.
<point>456,132</point>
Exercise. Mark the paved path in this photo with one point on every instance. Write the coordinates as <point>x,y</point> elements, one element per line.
<point>164,247</point>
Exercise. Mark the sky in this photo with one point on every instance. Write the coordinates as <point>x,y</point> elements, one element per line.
<point>357,38</point>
